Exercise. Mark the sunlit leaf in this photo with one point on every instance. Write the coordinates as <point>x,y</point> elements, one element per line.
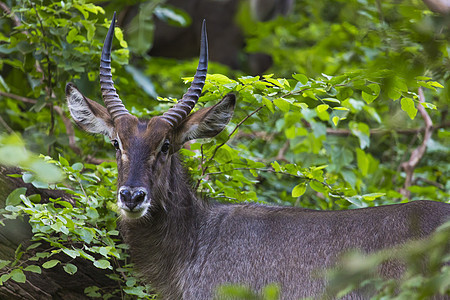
<point>299,190</point>
<point>409,107</point>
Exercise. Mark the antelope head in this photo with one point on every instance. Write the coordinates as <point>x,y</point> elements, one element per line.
<point>145,148</point>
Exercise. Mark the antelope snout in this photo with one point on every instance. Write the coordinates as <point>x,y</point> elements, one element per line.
<point>132,199</point>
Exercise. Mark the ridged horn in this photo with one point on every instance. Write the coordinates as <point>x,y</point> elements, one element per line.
<point>181,110</point>
<point>112,101</point>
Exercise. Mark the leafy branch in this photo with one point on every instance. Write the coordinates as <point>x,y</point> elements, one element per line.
<point>269,170</point>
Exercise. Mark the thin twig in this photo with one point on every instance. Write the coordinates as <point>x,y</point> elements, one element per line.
<point>9,129</point>
<point>204,169</point>
<point>17,97</point>
<point>69,130</point>
<point>430,182</point>
<point>236,127</point>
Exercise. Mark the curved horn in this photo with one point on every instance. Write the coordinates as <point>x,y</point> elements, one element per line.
<point>181,110</point>
<point>112,101</point>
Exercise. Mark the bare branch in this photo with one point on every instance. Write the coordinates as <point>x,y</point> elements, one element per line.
<point>282,152</point>
<point>14,18</point>
<point>439,6</point>
<point>17,97</point>
<point>4,124</point>
<point>417,153</point>
<point>69,129</point>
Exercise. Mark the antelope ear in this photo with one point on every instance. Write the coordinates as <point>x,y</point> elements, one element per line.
<point>89,115</point>
<point>206,122</point>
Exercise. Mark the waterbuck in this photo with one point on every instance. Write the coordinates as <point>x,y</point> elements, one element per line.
<point>185,246</point>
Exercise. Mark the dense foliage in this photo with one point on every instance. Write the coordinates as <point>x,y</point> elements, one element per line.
<point>331,125</point>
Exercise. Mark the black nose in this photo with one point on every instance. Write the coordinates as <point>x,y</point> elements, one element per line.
<point>132,197</point>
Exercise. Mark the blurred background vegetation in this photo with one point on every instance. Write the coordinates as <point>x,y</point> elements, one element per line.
<point>334,97</point>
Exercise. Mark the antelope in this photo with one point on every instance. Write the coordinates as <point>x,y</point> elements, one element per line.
<point>185,246</point>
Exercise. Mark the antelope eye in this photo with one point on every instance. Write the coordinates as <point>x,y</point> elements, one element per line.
<point>165,147</point>
<point>115,144</point>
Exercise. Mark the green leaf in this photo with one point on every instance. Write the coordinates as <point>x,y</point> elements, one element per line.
<point>92,213</point>
<point>4,278</point>
<point>394,94</point>
<point>372,196</point>
<point>118,33</point>
<point>363,161</point>
<point>362,131</point>
<point>72,35</point>
<point>82,10</point>
<point>340,108</point>
<point>271,292</point>
<point>142,80</point>
<point>172,15</point>
<point>92,292</point>
<point>301,78</point>
<point>299,190</point>
<point>18,253</point>
<point>4,263</point>
<point>375,88</point>
<point>318,187</point>
<point>428,105</point>
<point>136,291</point>
<point>333,100</point>
<point>46,172</point>
<point>77,166</point>
<point>18,276</point>
<point>335,120</point>
<point>322,107</point>
<point>90,28</point>
<point>141,25</point>
<point>276,166</point>
<point>86,234</point>
<point>50,264</point>
<point>282,104</point>
<point>344,93</point>
<point>13,155</point>
<point>34,269</point>
<point>71,253</point>
<point>220,78</point>
<point>70,268</point>
<point>436,84</point>
<point>102,264</point>
<point>91,7</point>
<point>409,107</point>
<point>268,104</point>
<point>275,82</point>
<point>104,251</point>
<point>356,200</point>
<point>14,197</point>
<point>33,246</point>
